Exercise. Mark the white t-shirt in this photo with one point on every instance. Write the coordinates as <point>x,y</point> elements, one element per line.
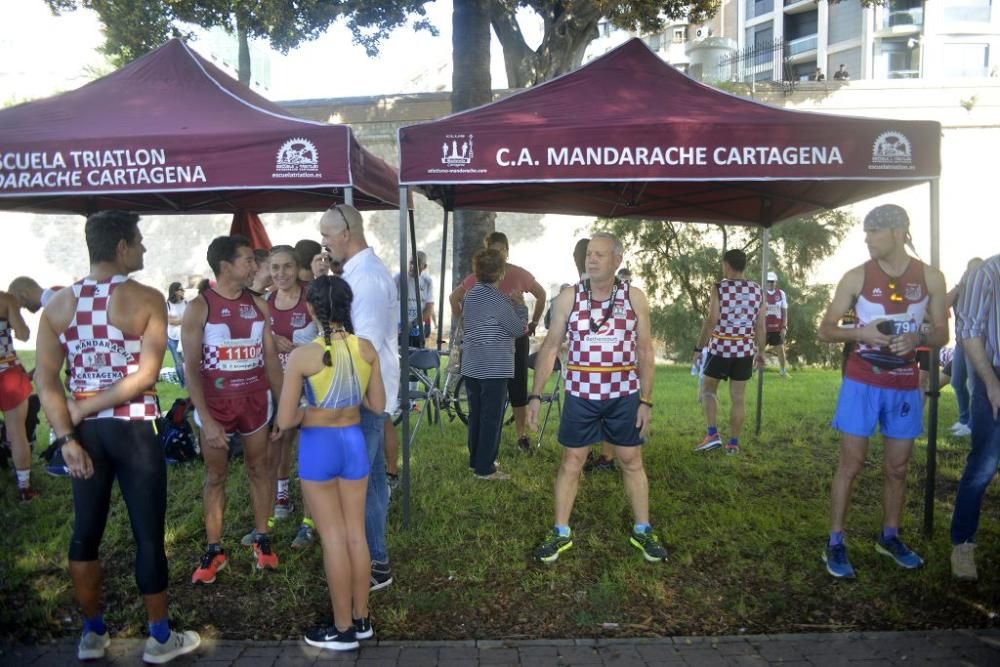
<point>374,315</point>
<point>175,310</point>
<point>426,294</point>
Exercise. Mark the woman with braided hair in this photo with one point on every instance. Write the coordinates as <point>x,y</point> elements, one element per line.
<point>338,373</point>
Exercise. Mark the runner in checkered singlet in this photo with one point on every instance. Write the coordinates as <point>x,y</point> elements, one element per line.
<point>113,332</point>
<point>608,389</point>
<point>735,319</point>
<point>231,362</point>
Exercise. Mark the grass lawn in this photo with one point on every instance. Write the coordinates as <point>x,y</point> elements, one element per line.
<point>744,534</point>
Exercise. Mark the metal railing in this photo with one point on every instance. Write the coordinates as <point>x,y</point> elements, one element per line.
<point>755,63</point>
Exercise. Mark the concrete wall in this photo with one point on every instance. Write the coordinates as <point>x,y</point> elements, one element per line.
<point>51,248</point>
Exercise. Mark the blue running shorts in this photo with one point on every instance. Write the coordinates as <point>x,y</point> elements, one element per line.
<point>897,412</point>
<point>326,452</point>
<point>585,422</point>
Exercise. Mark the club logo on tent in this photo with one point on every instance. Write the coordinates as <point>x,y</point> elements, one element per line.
<point>892,150</point>
<point>297,155</point>
<point>456,151</point>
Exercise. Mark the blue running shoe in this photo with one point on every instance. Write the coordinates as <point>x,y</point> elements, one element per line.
<point>836,561</point>
<point>899,552</point>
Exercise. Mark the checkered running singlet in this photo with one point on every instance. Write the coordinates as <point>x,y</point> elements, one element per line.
<point>602,364</point>
<point>739,304</point>
<point>8,357</point>
<point>100,354</point>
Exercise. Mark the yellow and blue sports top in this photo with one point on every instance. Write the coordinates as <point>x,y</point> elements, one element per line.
<point>343,384</point>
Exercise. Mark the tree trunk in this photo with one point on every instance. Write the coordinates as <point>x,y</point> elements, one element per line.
<point>471,87</point>
<point>569,28</point>
<point>244,55</point>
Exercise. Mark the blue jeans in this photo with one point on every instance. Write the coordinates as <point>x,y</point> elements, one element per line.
<point>980,467</point>
<point>486,403</point>
<point>960,383</point>
<point>377,501</point>
<point>172,345</point>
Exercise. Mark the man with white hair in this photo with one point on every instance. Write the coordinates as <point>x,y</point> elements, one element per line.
<point>374,316</point>
<point>609,390</point>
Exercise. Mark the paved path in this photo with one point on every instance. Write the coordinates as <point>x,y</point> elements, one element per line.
<point>941,648</point>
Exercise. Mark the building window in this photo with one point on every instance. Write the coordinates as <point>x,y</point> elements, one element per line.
<point>655,42</point>
<point>604,28</point>
<point>680,35</point>
<point>966,61</point>
<point>900,58</point>
<point>908,13</point>
<point>967,11</point>
<point>759,7</point>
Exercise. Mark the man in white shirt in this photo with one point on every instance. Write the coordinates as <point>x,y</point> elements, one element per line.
<point>374,316</point>
<point>419,324</point>
<point>30,295</point>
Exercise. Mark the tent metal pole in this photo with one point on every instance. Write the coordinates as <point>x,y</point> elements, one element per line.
<point>932,390</point>
<point>764,241</point>
<point>349,196</point>
<point>404,357</point>
<point>416,283</point>
<point>444,258</point>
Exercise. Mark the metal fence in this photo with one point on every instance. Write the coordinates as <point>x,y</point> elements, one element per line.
<point>758,62</point>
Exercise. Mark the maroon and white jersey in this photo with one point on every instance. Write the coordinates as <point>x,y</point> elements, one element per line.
<point>902,304</point>
<point>8,357</point>
<point>739,305</point>
<point>776,302</point>
<point>286,323</point>
<point>601,364</point>
<point>100,354</point>
<point>232,350</point>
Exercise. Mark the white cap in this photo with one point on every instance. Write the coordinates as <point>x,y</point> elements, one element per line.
<point>772,277</point>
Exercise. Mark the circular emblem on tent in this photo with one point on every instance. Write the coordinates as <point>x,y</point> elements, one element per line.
<point>892,150</point>
<point>297,155</point>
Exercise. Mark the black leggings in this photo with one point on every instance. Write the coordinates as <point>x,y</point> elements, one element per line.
<point>517,386</point>
<point>131,452</point>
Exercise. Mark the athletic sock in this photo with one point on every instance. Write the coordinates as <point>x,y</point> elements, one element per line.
<point>95,625</point>
<point>24,479</point>
<point>734,442</point>
<point>160,630</point>
<point>889,532</point>
<point>215,548</point>
<point>563,531</point>
<point>836,538</point>
<point>283,489</point>
<point>641,527</point>
<point>712,430</point>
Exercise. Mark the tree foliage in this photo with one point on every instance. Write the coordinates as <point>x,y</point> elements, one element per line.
<point>132,29</point>
<point>679,262</point>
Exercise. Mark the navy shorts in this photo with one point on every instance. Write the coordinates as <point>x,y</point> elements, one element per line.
<point>585,422</point>
<point>328,452</point>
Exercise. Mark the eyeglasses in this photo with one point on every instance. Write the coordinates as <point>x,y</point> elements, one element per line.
<point>895,296</point>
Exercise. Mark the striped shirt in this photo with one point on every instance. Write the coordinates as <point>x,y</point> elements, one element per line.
<point>978,309</point>
<point>490,327</point>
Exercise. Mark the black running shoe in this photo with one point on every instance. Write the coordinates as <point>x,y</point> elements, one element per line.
<point>333,639</point>
<point>381,576</point>
<point>363,628</point>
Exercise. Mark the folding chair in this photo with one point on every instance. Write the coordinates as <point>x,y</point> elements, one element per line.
<point>554,396</point>
<point>425,367</point>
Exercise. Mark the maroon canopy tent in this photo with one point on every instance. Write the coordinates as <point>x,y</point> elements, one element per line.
<point>172,133</point>
<point>627,135</point>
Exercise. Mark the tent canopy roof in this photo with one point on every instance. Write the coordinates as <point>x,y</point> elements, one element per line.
<point>627,135</point>
<point>172,133</point>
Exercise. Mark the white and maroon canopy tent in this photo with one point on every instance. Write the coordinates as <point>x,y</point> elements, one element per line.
<point>629,136</point>
<point>172,133</point>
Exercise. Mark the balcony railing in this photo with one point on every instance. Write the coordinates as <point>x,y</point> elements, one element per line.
<point>914,16</point>
<point>801,45</point>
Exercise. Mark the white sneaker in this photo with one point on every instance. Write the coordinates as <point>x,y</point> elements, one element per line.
<point>178,644</point>
<point>963,561</point>
<point>962,431</point>
<point>955,425</point>
<point>92,645</point>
